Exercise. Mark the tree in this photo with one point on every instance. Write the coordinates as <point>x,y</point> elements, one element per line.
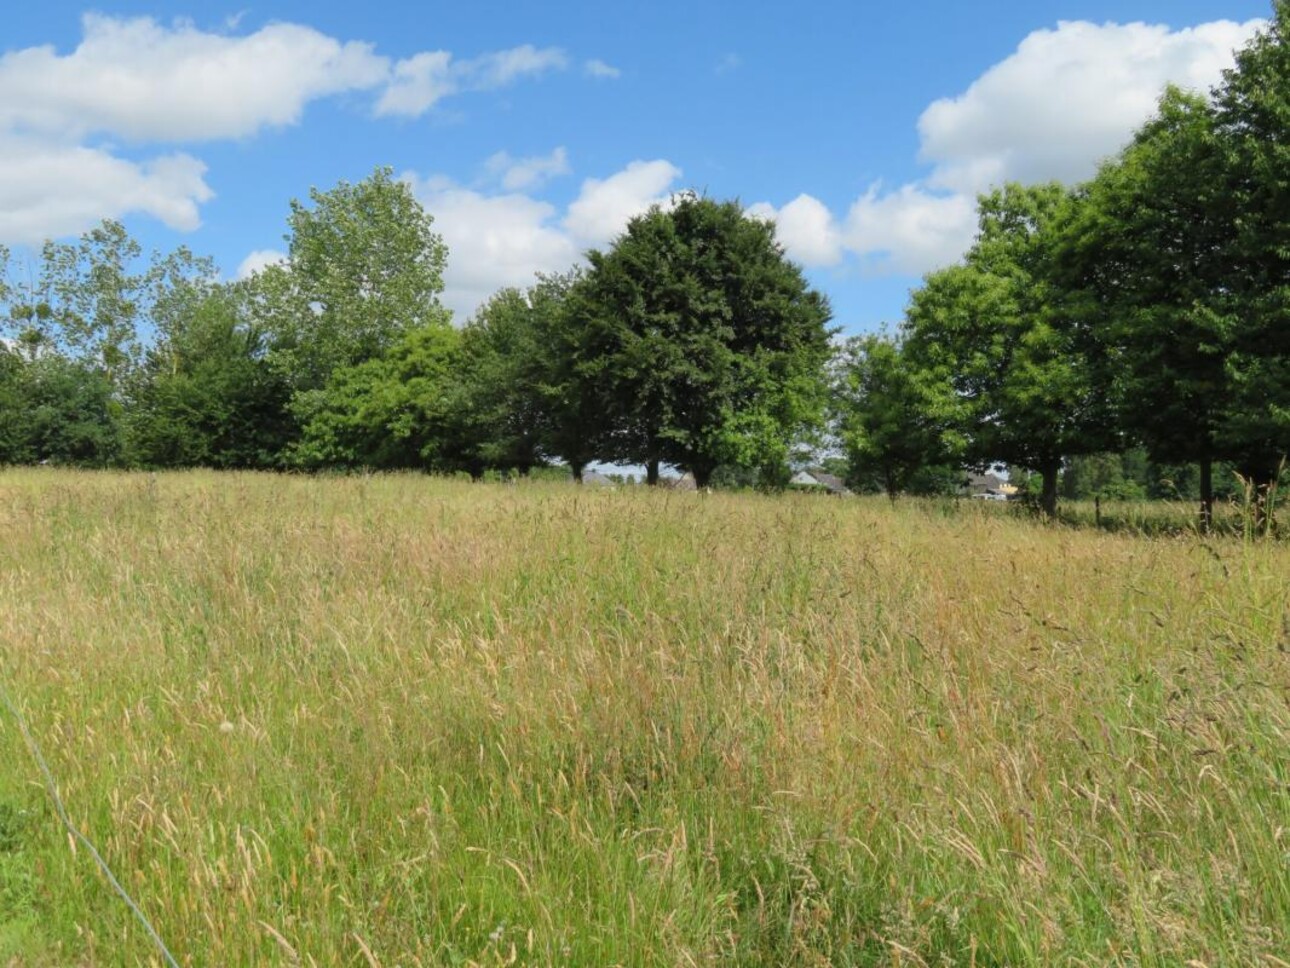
<point>363,269</point>
<point>89,300</point>
<point>569,369</point>
<point>396,411</point>
<point>1021,366</point>
<point>1252,120</point>
<point>708,346</point>
<point>513,378</point>
<point>57,410</point>
<point>205,394</point>
<point>1145,256</point>
<point>892,420</point>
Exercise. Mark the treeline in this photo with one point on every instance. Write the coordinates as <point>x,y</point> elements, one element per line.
<point>1140,321</point>
<point>1148,308</point>
<point>692,342</point>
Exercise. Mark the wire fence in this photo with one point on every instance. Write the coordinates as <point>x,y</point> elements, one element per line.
<point>51,788</point>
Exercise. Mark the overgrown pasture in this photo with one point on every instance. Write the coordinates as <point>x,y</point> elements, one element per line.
<point>405,721</point>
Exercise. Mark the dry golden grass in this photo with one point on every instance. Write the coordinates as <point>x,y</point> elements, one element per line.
<point>401,721</point>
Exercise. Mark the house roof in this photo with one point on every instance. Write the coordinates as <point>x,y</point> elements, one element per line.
<point>813,478</point>
<point>831,481</point>
<point>985,483</point>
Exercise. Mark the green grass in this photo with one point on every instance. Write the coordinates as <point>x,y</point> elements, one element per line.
<point>402,721</point>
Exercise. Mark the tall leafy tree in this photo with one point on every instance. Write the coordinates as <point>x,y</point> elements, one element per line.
<point>400,410</point>
<point>1146,257</point>
<point>364,267</point>
<point>89,299</point>
<point>569,376</point>
<point>1022,368</point>
<point>513,378</point>
<point>708,344</point>
<point>206,394</point>
<point>893,420</point>
<point>1253,125</point>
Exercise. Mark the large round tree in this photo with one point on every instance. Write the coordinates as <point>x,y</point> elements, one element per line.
<point>711,346</point>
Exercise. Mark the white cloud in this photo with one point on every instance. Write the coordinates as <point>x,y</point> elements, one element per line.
<point>519,174</point>
<point>258,260</point>
<point>417,84</point>
<point>420,82</point>
<point>598,68</point>
<point>909,231</point>
<point>139,80</point>
<point>1063,101</point>
<point>493,240</point>
<point>504,67</point>
<point>48,190</point>
<point>503,240</point>
<point>806,228</point>
<point>604,206</point>
<point>1066,99</point>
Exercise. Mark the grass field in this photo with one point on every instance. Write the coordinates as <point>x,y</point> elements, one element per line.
<point>400,721</point>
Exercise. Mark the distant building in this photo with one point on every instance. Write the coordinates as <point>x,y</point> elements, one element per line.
<point>596,479</point>
<point>819,480</point>
<point>683,483</point>
<point>987,487</point>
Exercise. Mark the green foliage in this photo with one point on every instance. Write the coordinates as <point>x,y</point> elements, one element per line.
<point>363,268</point>
<point>58,411</point>
<point>705,342</point>
<point>1022,370</point>
<point>1118,477</point>
<point>894,419</point>
<point>89,297</point>
<point>395,411</point>
<point>1252,117</point>
<point>522,388</point>
<point>206,396</point>
<point>1138,256</point>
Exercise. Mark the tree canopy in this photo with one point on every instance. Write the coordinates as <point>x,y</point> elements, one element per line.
<point>709,344</point>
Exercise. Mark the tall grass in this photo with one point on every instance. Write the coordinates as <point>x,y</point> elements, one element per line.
<point>400,721</point>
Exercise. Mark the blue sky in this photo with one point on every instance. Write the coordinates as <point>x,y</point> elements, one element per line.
<point>533,131</point>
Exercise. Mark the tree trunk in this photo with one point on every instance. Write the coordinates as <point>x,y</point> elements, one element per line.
<point>701,476</point>
<point>1048,496</point>
<point>1206,495</point>
<point>577,472</point>
<point>651,472</point>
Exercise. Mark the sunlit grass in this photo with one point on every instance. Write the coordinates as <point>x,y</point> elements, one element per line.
<point>402,721</point>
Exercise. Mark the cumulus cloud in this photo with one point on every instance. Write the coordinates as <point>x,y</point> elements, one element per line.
<point>51,190</point>
<point>141,81</point>
<point>806,228</point>
<point>604,206</point>
<point>1066,99</point>
<point>503,239</point>
<point>909,231</point>
<point>420,82</point>
<point>598,68</point>
<point>259,260</point>
<point>417,84</point>
<point>493,240</point>
<point>520,174</point>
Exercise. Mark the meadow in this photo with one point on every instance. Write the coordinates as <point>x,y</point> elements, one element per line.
<point>396,720</point>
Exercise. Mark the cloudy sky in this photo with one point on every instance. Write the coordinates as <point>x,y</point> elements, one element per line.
<point>534,131</point>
